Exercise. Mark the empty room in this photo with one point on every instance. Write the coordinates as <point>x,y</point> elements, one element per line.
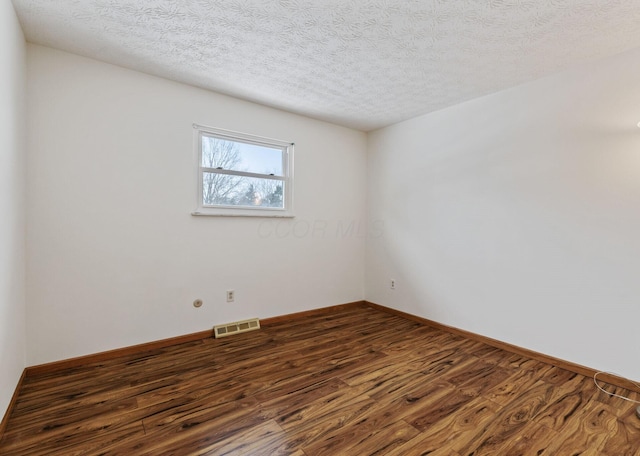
<point>319,227</point>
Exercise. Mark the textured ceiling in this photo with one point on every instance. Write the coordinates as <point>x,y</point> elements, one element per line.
<point>359,63</point>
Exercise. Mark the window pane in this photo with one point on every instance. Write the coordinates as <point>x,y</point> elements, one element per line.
<point>239,156</point>
<point>229,190</point>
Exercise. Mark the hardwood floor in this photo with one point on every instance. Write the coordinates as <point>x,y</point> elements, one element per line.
<point>356,382</point>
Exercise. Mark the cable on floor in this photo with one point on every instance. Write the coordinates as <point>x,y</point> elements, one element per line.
<point>595,381</point>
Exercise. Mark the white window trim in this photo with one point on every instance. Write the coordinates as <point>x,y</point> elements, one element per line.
<point>235,211</point>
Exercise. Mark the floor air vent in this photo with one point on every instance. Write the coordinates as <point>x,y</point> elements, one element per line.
<point>237,327</point>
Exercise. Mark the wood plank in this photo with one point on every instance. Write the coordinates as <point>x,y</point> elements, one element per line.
<point>295,398</point>
<point>324,311</point>
<point>505,427</point>
<point>321,420</point>
<point>352,380</point>
<point>477,378</point>
<point>375,435</point>
<point>533,439</point>
<point>586,432</point>
<point>265,439</point>
<point>624,438</point>
<point>105,424</point>
<point>63,365</point>
<point>456,429</point>
<point>12,403</point>
<point>512,387</point>
<point>438,410</point>
<point>565,402</point>
<point>568,365</point>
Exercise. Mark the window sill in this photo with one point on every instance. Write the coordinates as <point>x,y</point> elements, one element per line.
<point>241,213</point>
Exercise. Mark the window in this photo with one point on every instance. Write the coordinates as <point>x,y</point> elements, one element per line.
<point>244,175</point>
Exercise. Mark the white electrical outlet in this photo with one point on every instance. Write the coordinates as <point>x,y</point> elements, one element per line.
<point>393,284</point>
<point>231,295</point>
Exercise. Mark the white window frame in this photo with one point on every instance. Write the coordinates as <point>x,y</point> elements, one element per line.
<point>244,211</point>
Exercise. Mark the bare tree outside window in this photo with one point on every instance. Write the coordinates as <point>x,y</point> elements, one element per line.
<point>241,174</point>
<point>233,190</point>
<point>270,193</point>
<point>220,188</point>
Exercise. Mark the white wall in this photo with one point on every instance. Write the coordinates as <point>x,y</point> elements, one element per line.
<point>12,205</point>
<point>116,259</point>
<point>517,215</point>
